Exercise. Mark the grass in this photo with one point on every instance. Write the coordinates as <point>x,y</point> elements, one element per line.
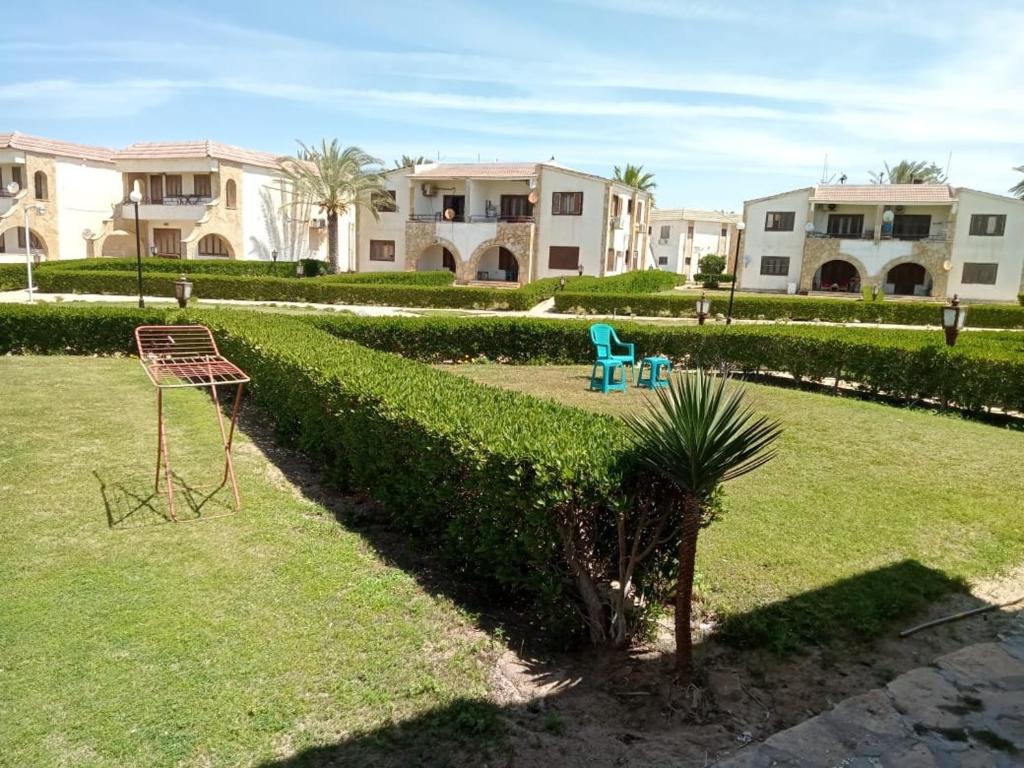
<point>223,641</point>
<point>865,507</point>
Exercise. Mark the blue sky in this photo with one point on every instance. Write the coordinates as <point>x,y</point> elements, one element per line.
<point>723,101</point>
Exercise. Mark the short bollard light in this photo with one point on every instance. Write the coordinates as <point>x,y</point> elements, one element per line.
<point>561,283</point>
<point>953,319</point>
<point>703,309</point>
<point>579,268</point>
<point>298,269</point>
<point>183,290</point>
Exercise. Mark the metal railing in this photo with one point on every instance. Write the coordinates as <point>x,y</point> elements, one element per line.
<point>173,200</point>
<point>472,219</point>
<point>938,237</point>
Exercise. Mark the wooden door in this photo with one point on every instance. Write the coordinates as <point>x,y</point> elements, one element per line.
<point>156,189</point>
<point>167,242</point>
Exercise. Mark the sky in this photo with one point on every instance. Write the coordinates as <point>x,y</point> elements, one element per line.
<point>722,101</point>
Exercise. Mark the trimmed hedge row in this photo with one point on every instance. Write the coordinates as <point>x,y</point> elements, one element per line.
<point>770,307</point>
<point>176,266</point>
<point>12,277</point>
<point>983,370</point>
<point>493,480</point>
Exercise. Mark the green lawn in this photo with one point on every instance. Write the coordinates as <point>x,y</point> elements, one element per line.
<point>214,642</point>
<point>868,510</point>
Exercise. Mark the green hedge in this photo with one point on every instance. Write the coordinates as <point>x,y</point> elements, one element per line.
<point>13,277</point>
<point>441,277</point>
<point>983,370</point>
<point>176,266</point>
<point>772,307</point>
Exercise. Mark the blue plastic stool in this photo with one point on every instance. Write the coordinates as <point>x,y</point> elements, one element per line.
<point>654,367</point>
<point>606,382</point>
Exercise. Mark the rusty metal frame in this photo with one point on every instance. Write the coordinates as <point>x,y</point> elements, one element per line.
<point>181,356</point>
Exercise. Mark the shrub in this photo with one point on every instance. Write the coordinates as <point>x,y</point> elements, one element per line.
<point>711,265</point>
<point>440,277</point>
<point>314,267</point>
<point>722,278</point>
<point>774,307</point>
<point>13,277</point>
<point>177,266</point>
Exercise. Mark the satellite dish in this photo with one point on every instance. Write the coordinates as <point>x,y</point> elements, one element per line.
<point>449,214</point>
<point>87,233</point>
<point>533,197</point>
<point>947,265</point>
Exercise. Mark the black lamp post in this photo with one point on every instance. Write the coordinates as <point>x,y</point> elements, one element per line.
<point>703,309</point>
<point>136,197</point>
<point>740,226</point>
<point>954,318</point>
<point>579,268</point>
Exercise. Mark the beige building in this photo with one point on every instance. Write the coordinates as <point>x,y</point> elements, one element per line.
<point>908,239</point>
<point>504,222</point>
<point>73,184</point>
<point>681,237</point>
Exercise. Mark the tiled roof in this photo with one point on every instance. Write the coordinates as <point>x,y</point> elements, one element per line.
<point>172,150</point>
<point>43,146</point>
<point>884,193</point>
<point>695,214</point>
<point>477,171</point>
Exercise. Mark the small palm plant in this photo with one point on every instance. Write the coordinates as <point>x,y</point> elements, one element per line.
<point>335,180</point>
<point>636,177</point>
<point>1017,190</point>
<point>698,434</point>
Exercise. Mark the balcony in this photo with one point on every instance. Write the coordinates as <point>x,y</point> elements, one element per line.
<point>934,237</point>
<point>168,208</point>
<point>475,219</point>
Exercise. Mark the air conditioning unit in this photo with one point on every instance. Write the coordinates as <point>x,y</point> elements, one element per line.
<point>429,190</point>
<point>319,223</point>
<point>662,241</point>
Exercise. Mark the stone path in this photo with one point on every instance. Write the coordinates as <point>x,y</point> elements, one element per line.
<point>966,709</point>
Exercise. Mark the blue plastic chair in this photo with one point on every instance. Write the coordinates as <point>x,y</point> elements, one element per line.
<point>606,341</point>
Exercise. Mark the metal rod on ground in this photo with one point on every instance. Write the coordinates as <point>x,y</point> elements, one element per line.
<point>958,616</point>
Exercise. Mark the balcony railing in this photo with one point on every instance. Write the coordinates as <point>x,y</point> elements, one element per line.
<point>173,200</point>
<point>938,237</point>
<point>473,219</point>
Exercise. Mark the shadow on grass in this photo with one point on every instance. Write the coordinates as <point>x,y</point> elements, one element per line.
<point>632,698</point>
<point>131,501</point>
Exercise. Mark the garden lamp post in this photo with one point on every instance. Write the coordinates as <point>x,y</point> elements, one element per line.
<point>740,226</point>
<point>703,309</point>
<point>12,190</point>
<point>183,290</point>
<point>273,255</point>
<point>579,268</point>
<point>953,319</point>
<point>136,197</point>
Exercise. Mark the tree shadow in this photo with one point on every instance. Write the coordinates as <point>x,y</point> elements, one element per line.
<point>596,708</point>
<point>130,500</point>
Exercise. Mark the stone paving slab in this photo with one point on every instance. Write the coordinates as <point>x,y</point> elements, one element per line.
<point>967,709</point>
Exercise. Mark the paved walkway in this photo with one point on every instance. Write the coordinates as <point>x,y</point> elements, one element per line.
<point>967,709</point>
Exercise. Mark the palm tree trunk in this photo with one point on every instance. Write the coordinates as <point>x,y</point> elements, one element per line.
<point>684,588</point>
<point>332,241</point>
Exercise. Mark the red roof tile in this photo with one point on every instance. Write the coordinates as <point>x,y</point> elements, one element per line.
<point>39,145</point>
<point>172,150</point>
<point>884,193</point>
<point>477,171</point>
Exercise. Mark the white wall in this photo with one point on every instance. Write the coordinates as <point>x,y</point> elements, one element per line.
<point>672,250</point>
<point>85,193</point>
<point>1006,251</point>
<point>585,231</point>
<point>391,225</point>
<point>758,243</point>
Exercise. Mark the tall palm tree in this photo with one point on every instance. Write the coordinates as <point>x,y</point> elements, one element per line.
<point>909,172</point>
<point>337,181</point>
<point>1017,190</point>
<point>634,176</point>
<point>407,161</point>
<point>699,434</point>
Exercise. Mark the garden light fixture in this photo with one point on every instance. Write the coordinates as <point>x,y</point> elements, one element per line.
<point>183,290</point>
<point>561,283</point>
<point>135,196</point>
<point>12,189</point>
<point>953,319</point>
<point>740,226</point>
<point>703,309</point>
<point>580,269</point>
<point>809,227</point>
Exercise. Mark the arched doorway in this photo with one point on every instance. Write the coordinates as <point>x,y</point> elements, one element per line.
<point>837,275</point>
<point>498,263</point>
<point>213,247</point>
<point>435,258</point>
<point>12,245</point>
<point>908,279</point>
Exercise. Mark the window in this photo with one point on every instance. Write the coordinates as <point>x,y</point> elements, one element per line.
<point>213,245</point>
<point>516,207</point>
<point>663,261</point>
<point>201,185</point>
<point>172,186</point>
<point>42,193</point>
<point>666,231</point>
<point>231,194</point>
<point>844,224</point>
<point>725,231</point>
<point>779,221</point>
<point>382,250</point>
<point>567,203</point>
<point>775,265</point>
<point>563,256</point>
<point>609,260</point>
<point>616,206</point>
<point>689,231</point>
<point>979,273</point>
<point>988,224</point>
<point>16,177</point>
<point>911,226</point>
<point>386,202</point>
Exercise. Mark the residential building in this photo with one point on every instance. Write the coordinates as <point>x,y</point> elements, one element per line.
<point>207,200</point>
<point>73,183</point>
<point>681,237</point>
<point>907,239</point>
<point>504,222</point>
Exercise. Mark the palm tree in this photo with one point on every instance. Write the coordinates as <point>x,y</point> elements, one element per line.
<point>635,177</point>
<point>909,172</point>
<point>407,161</point>
<point>335,180</point>
<point>1017,190</point>
<point>699,434</point>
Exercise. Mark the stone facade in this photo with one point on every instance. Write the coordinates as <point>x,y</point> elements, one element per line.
<point>44,226</point>
<point>519,238</point>
<point>219,219</point>
<point>932,255</point>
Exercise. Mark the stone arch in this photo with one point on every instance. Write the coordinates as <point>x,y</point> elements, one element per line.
<point>497,245</point>
<point>840,274</point>
<point>434,258</point>
<point>412,259</point>
<point>906,277</point>
<point>213,245</point>
<point>40,250</point>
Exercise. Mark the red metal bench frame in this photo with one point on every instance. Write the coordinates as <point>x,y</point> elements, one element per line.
<point>180,356</point>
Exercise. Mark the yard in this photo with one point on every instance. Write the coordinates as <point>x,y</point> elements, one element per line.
<point>869,511</point>
<point>130,641</point>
